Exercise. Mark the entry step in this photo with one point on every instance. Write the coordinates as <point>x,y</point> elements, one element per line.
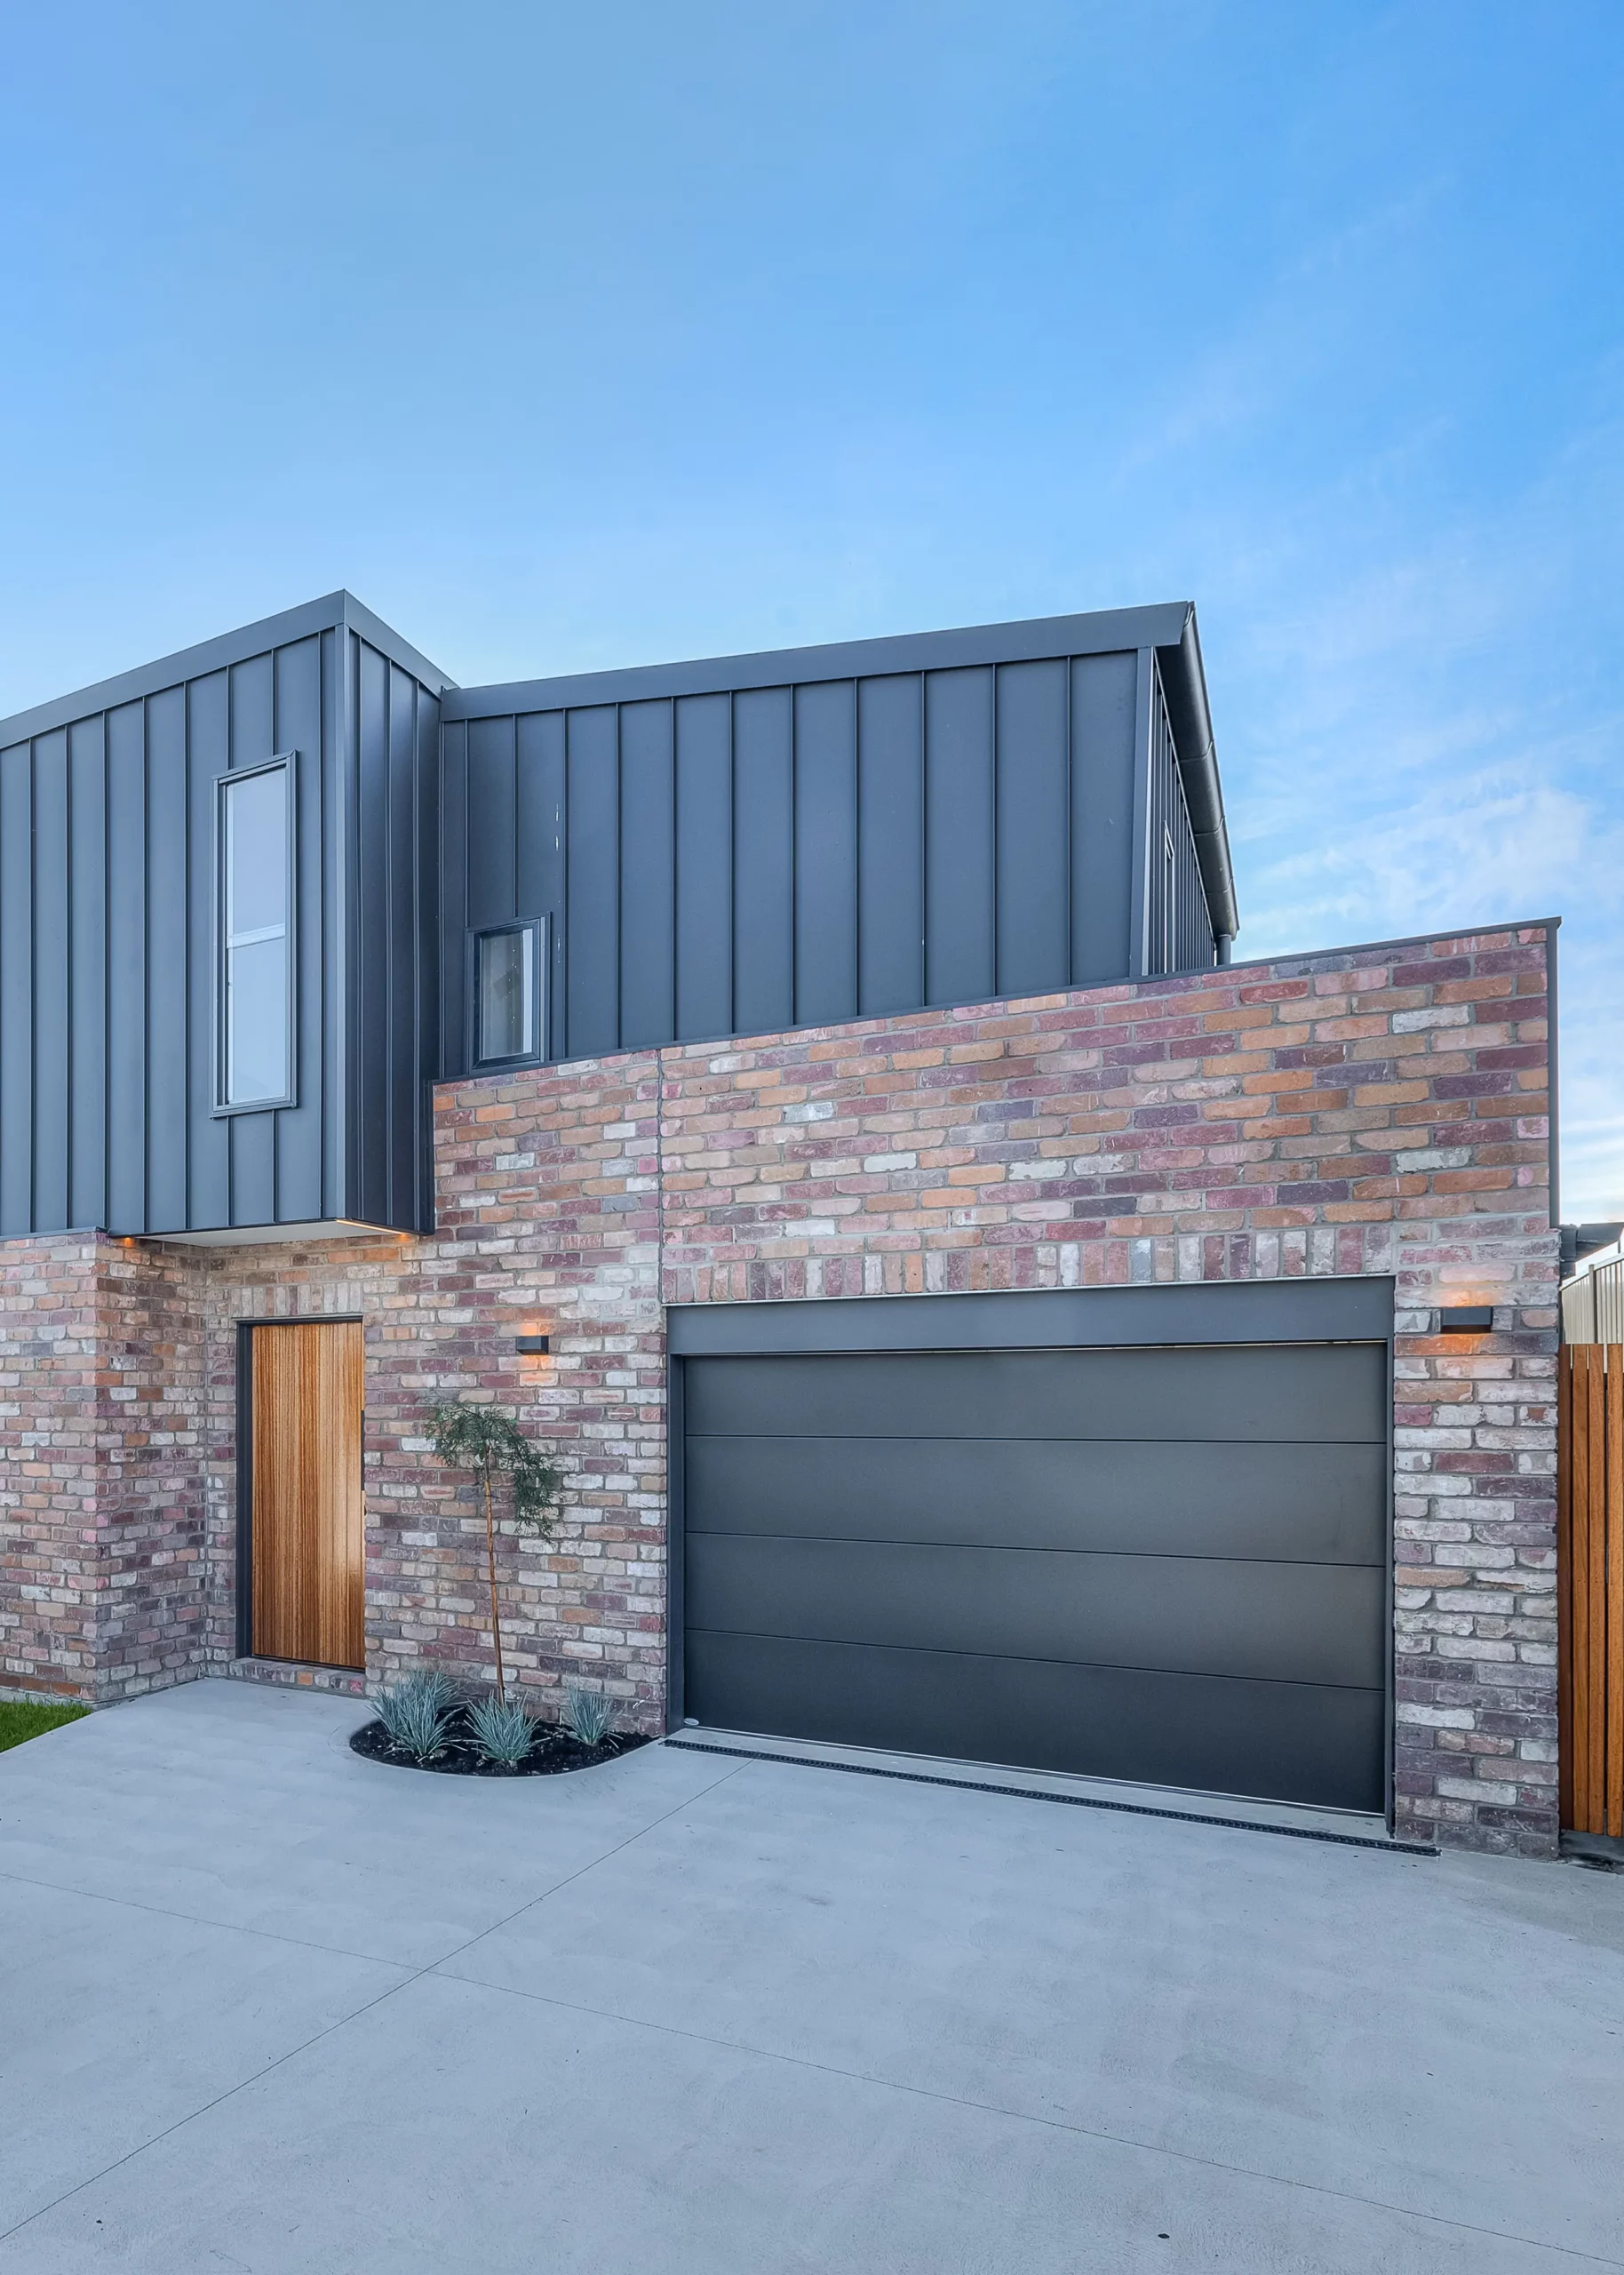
<point>294,1674</point>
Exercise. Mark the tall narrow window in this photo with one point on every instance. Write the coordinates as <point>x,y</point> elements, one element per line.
<point>256,970</point>
<point>508,995</point>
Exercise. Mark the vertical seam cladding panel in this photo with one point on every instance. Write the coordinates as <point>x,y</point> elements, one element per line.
<point>1012,893</point>
<point>539,829</point>
<point>125,1164</point>
<point>1179,927</point>
<point>17,984</point>
<point>49,899</point>
<point>108,1113</point>
<point>252,1137</point>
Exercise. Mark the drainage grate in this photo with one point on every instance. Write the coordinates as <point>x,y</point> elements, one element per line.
<point>1067,1801</point>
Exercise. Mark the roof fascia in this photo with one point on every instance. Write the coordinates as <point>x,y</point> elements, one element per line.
<point>1184,686</point>
<point>358,617</point>
<point>1101,631</point>
<point>332,612</point>
<point>169,671</point>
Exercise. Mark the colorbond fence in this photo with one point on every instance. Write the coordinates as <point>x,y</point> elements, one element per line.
<point>1593,1305</point>
<point>1591,1586</point>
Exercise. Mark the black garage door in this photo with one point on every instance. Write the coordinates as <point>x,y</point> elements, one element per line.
<point>1166,1565</point>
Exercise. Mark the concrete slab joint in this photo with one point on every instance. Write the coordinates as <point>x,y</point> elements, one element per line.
<point>1373,1112</point>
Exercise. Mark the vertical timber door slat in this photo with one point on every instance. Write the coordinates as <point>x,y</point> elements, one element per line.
<point>1591,1586</point>
<point>309,1537</point>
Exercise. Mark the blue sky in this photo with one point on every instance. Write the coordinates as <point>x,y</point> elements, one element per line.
<point>569,337</point>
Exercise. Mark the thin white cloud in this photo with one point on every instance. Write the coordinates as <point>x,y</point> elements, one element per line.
<point>1427,747</point>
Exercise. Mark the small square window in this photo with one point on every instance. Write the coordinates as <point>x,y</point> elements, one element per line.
<point>508,1025</point>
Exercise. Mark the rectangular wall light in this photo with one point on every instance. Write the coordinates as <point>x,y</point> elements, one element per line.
<point>533,1347</point>
<point>1466,1319</point>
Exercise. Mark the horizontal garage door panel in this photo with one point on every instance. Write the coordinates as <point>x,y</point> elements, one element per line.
<point>1166,1563</point>
<point>1271,1622</point>
<point>1300,1392</point>
<point>1310,1503</point>
<point>1298,1743</point>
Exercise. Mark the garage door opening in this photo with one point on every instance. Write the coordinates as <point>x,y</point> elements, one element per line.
<point>1162,1564</point>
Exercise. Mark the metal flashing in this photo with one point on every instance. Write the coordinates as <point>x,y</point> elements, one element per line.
<point>1185,687</point>
<point>1318,959</point>
<point>331,613</point>
<point>321,1228</point>
<point>1098,633</point>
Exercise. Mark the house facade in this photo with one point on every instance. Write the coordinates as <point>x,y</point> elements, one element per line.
<point>978,1316</point>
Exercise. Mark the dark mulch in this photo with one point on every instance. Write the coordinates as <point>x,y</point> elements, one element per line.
<point>552,1751</point>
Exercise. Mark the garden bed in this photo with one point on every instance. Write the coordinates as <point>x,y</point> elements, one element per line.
<point>552,1752</point>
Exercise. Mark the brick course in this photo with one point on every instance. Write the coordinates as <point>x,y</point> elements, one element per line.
<point>1380,1110</point>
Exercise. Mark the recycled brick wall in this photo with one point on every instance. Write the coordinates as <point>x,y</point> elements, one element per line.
<point>1382,1110</point>
<point>48,1559</point>
<point>548,1220</point>
<point>1375,1111</point>
<point>118,1415</point>
<point>104,1587</point>
<point>159,1614</point>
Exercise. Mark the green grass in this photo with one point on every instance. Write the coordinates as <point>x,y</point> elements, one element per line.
<point>22,1718</point>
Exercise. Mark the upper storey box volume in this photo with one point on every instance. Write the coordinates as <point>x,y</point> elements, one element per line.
<point>257,897</point>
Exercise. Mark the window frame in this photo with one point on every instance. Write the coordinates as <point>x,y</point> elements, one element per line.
<point>537,929</point>
<point>285,762</point>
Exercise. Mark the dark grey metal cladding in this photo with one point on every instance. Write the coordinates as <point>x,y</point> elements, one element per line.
<point>107,950</point>
<point>1178,929</point>
<point>1307,1743</point>
<point>392,883</point>
<point>1286,1392</point>
<point>752,843</point>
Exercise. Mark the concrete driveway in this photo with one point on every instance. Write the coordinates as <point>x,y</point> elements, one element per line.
<point>264,2005</point>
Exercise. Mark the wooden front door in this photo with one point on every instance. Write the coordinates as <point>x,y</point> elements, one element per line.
<point>307,1529</point>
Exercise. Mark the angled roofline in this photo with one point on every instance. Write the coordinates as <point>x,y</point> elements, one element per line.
<point>1030,639</point>
<point>1168,627</point>
<point>331,612</point>
<point>1184,686</point>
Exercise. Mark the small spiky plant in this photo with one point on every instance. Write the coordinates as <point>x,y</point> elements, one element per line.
<point>502,1730</point>
<point>417,1714</point>
<point>587,1715</point>
<point>485,1439</point>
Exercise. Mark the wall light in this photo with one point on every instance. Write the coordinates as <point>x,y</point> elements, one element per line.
<point>533,1347</point>
<point>1466,1319</point>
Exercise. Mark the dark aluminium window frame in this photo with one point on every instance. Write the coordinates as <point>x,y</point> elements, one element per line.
<point>535,928</point>
<point>285,762</point>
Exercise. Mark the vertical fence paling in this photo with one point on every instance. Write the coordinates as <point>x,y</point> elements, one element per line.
<point>1590,1586</point>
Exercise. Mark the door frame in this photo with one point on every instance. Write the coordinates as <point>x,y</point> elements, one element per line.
<point>246,1328</point>
<point>1333,1309</point>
